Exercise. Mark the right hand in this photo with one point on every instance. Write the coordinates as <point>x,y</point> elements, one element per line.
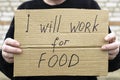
<point>9,48</point>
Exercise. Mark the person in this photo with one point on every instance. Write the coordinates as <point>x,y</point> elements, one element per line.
<point>11,46</point>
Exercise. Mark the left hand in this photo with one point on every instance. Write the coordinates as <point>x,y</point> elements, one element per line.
<point>112,47</point>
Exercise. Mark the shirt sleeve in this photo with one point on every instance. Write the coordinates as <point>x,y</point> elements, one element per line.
<point>94,5</point>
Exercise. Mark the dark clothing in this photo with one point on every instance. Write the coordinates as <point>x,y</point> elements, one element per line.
<point>7,69</point>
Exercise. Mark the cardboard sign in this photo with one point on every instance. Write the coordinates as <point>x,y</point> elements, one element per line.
<point>59,42</point>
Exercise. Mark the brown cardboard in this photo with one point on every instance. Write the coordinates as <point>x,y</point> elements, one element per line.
<point>61,42</point>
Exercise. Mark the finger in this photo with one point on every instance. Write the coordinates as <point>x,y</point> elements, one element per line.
<point>110,46</point>
<point>10,49</point>
<point>113,52</point>
<point>12,42</point>
<point>8,57</point>
<point>9,60</point>
<point>110,38</point>
<point>111,57</point>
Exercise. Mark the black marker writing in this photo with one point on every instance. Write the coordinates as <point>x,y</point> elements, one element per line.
<point>54,58</point>
<point>54,44</point>
<point>41,59</point>
<point>59,23</point>
<point>84,26</point>
<point>59,60</point>
<point>75,56</point>
<point>52,26</point>
<point>28,23</point>
<point>59,43</point>
<point>55,24</point>
<point>95,25</point>
<point>63,60</point>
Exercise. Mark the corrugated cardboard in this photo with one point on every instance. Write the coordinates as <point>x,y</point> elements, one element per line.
<point>59,42</point>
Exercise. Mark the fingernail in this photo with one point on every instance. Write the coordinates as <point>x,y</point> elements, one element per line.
<point>18,44</point>
<point>103,47</point>
<point>106,38</point>
<point>19,50</point>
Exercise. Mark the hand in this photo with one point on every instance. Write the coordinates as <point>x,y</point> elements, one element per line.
<point>112,47</point>
<point>9,48</point>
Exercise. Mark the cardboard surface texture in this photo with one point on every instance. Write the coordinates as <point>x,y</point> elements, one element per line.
<point>59,42</point>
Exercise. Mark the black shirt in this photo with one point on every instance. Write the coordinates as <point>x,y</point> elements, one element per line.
<point>7,69</point>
